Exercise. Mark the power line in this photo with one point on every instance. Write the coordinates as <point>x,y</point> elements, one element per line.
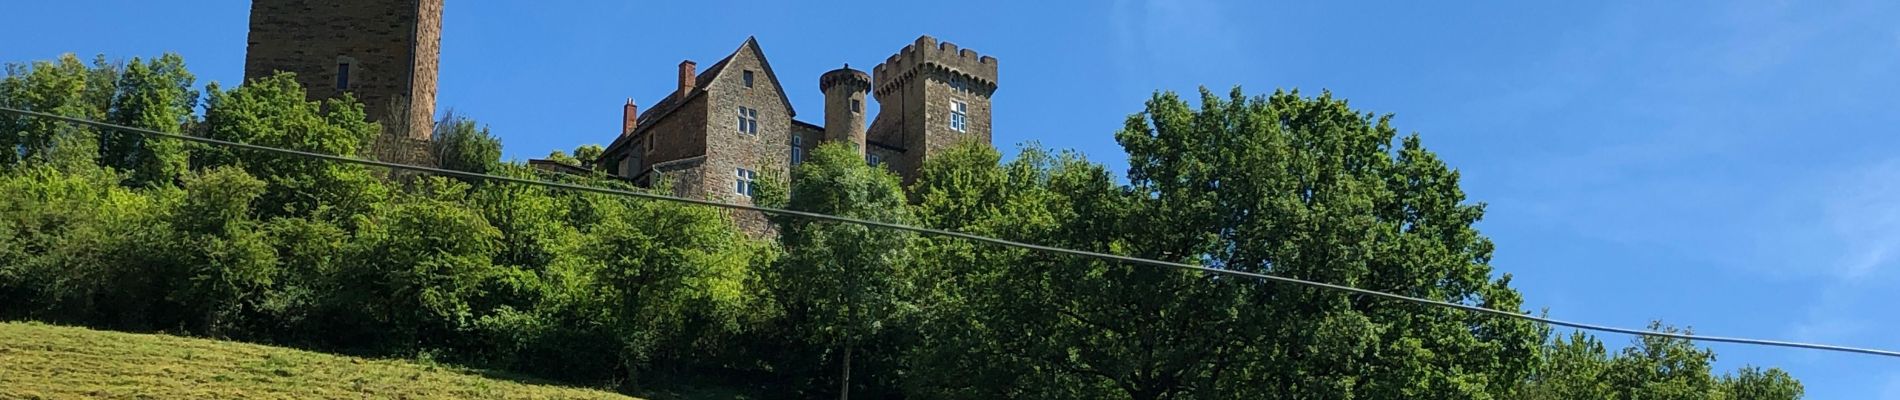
<point>965,236</point>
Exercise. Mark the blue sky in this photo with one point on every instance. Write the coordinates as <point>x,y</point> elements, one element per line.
<point>1728,165</point>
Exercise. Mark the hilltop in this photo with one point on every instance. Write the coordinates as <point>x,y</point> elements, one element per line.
<point>45,361</point>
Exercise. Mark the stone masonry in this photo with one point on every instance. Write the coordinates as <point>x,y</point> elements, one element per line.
<point>385,52</point>
<point>734,118</point>
<point>916,89</point>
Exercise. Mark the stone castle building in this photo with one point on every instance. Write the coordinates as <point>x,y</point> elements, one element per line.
<point>723,128</point>
<point>385,52</point>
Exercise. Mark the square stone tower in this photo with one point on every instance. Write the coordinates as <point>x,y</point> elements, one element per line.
<point>383,51</point>
<point>931,95</point>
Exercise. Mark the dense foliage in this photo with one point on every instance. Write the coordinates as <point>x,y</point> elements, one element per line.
<point>127,232</point>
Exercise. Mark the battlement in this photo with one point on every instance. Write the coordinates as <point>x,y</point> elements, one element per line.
<point>858,80</point>
<point>927,52</point>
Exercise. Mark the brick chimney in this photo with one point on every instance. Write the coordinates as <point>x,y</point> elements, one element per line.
<point>630,118</point>
<point>689,76</point>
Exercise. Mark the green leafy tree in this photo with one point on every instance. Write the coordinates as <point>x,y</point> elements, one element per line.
<point>225,265</point>
<point>588,154</point>
<point>1310,188</point>
<point>1013,323</point>
<point>562,157</point>
<point>86,249</point>
<point>674,278</point>
<point>155,95</point>
<point>1282,184</point>
<point>65,87</point>
<point>271,111</point>
<point>461,144</point>
<point>842,284</point>
<point>418,264</point>
<point>1650,367</point>
<point>1755,383</point>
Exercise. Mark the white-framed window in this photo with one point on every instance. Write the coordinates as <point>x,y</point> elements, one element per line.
<point>746,182</point>
<point>956,83</point>
<point>798,150</point>
<point>959,114</point>
<point>748,78</point>
<point>748,120</point>
<point>872,159</point>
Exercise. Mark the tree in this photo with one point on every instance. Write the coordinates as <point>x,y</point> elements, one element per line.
<point>1651,367</point>
<point>1013,323</point>
<point>417,268</point>
<point>842,283</point>
<point>271,111</point>
<point>673,279</point>
<point>1754,383</point>
<point>562,157</point>
<point>224,267</point>
<point>1285,185</point>
<point>460,144</point>
<point>584,156</point>
<point>155,95</point>
<point>66,87</point>
<point>588,154</point>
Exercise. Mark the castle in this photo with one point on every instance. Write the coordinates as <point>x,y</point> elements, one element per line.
<point>713,137</point>
<point>721,129</point>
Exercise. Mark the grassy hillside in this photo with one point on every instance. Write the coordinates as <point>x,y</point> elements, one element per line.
<point>53,362</point>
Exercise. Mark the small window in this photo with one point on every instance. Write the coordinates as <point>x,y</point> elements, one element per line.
<point>857,106</point>
<point>798,150</point>
<point>748,78</point>
<point>956,83</point>
<point>959,113</point>
<point>746,182</point>
<point>872,159</point>
<point>342,76</point>
<point>748,120</point>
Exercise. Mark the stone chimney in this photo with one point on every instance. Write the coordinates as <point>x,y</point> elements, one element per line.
<point>689,76</point>
<point>629,119</point>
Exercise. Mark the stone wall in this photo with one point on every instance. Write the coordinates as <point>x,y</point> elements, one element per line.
<point>428,57</point>
<point>809,135</point>
<point>677,135</point>
<point>915,89</point>
<point>391,48</point>
<point>727,149</point>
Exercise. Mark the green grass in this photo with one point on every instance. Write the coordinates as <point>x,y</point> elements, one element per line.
<point>54,362</point>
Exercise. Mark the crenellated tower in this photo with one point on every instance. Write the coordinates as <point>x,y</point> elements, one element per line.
<point>844,90</point>
<point>931,95</point>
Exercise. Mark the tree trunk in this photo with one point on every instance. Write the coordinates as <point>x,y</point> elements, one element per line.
<point>844,385</point>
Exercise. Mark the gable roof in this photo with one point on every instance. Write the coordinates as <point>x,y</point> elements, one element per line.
<point>674,100</point>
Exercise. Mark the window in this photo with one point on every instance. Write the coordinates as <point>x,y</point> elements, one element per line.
<point>956,83</point>
<point>959,112</point>
<point>872,159</point>
<point>748,120</point>
<point>342,76</point>
<point>748,78</point>
<point>798,150</point>
<point>857,106</point>
<point>745,182</point>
